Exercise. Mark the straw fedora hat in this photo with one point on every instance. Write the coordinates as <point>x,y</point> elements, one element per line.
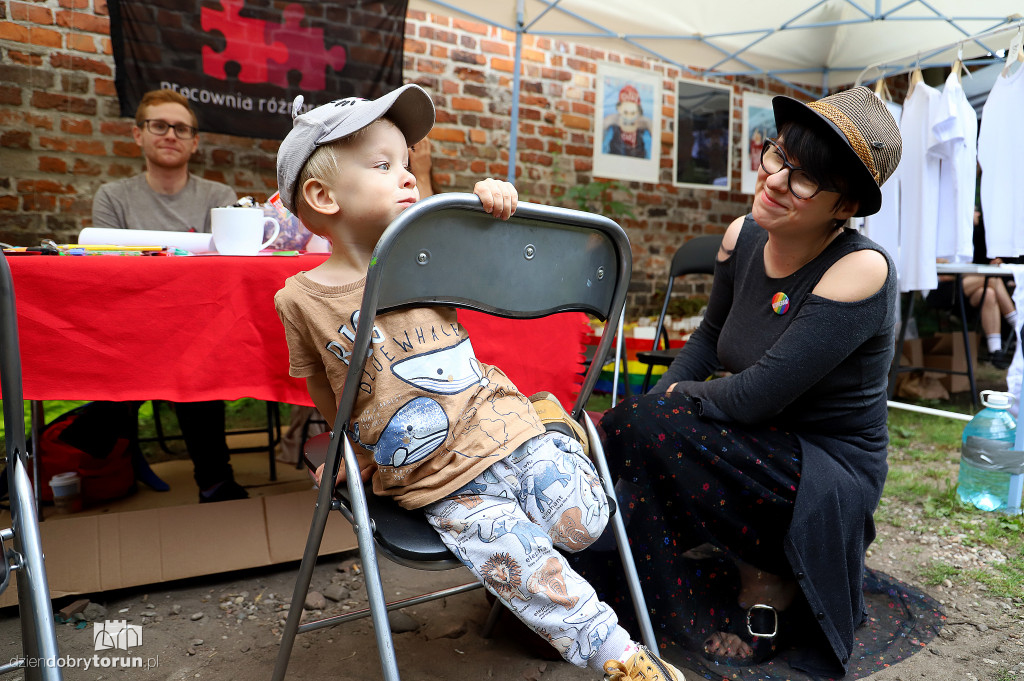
<point>867,133</point>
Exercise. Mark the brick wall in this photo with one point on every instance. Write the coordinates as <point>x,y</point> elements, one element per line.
<point>61,135</point>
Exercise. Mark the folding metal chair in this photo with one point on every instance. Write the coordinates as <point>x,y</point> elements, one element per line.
<point>696,256</point>
<point>446,251</point>
<point>20,545</point>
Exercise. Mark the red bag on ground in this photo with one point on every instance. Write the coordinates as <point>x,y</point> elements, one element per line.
<point>96,440</point>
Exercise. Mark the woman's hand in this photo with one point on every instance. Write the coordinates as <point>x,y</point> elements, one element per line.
<point>498,198</point>
<point>365,473</point>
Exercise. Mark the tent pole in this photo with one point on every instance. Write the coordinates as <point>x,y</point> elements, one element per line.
<point>513,138</point>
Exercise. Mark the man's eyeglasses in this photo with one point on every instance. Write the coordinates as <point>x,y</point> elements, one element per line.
<point>802,184</point>
<point>159,127</point>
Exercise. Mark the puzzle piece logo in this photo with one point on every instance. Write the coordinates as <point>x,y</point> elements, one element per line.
<point>306,53</point>
<point>267,52</point>
<point>116,635</point>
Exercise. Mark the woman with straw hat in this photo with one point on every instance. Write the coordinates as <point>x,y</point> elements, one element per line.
<point>775,469</point>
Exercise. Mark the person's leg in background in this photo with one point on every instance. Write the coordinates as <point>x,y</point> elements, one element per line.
<point>202,426</point>
<point>996,305</point>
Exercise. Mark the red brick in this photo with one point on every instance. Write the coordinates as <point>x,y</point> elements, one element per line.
<point>38,202</point>
<point>82,43</point>
<point>467,104</point>
<point>43,187</point>
<point>534,55</point>
<point>60,102</point>
<point>448,135</point>
<point>8,203</point>
<point>477,136</point>
<point>76,63</point>
<point>10,94</point>
<point>495,47</point>
<point>104,86</point>
<point>470,26</point>
<point>89,147</point>
<point>15,32</point>
<point>80,21</point>
<point>120,170</point>
<point>126,149</point>
<point>16,139</point>
<point>118,128</point>
<point>53,143</point>
<point>49,164</point>
<point>45,37</point>
<point>19,11</point>
<point>503,65</point>
<point>415,46</point>
<point>578,122</point>
<point>27,58</point>
<point>77,4</point>
<point>76,127</point>
<point>438,51</point>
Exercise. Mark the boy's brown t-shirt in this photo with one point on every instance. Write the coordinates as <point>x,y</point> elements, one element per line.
<point>428,412</point>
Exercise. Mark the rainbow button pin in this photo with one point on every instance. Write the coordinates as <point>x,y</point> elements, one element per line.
<point>780,303</point>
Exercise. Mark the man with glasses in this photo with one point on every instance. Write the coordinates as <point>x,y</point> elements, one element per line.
<point>168,197</point>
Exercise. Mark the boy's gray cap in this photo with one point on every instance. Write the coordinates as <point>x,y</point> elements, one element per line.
<point>409,108</point>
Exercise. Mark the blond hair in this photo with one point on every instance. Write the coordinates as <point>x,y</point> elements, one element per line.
<point>324,164</point>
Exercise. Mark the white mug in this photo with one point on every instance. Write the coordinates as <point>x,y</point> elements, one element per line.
<point>239,231</point>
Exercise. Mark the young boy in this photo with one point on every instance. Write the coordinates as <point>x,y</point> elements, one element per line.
<point>433,426</point>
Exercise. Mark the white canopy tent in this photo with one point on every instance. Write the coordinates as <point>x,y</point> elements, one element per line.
<point>801,43</point>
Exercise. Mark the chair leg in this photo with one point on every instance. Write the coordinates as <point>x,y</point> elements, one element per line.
<point>371,571</point>
<point>619,529</point>
<point>302,580</point>
<point>38,633</point>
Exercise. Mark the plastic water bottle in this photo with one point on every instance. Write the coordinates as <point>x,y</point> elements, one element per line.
<point>991,472</point>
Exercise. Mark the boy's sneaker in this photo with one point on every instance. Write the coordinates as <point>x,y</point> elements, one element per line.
<point>643,666</point>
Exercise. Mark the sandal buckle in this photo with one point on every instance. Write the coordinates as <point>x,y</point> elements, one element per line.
<point>762,610</point>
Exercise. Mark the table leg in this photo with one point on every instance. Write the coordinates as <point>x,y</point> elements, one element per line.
<point>967,344</point>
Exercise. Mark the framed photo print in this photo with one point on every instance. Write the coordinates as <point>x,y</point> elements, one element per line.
<point>703,135</point>
<point>758,125</point>
<point>627,124</point>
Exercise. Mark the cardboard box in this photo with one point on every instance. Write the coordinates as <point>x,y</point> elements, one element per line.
<point>913,352</point>
<point>154,537</point>
<point>945,351</point>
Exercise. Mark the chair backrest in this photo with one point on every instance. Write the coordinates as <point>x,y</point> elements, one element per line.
<point>696,256</point>
<point>446,251</point>
<point>10,367</point>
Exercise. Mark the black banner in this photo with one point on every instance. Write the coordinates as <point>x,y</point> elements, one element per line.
<point>240,63</point>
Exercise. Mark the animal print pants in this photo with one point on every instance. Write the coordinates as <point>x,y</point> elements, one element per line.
<point>504,526</point>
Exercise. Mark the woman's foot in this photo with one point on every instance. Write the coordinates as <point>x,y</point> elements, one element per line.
<point>743,646</point>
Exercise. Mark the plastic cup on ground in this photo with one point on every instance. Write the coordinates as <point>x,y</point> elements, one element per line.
<point>67,492</point>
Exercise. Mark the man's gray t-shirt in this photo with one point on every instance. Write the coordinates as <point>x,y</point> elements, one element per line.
<point>132,204</point>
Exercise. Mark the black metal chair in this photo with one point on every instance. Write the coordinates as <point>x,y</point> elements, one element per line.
<point>21,549</point>
<point>446,251</point>
<point>696,256</point>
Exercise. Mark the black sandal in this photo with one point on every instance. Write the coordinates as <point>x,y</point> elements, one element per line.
<point>762,627</point>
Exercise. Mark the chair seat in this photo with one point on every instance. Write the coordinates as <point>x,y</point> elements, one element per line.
<point>397,531</point>
<point>657,357</point>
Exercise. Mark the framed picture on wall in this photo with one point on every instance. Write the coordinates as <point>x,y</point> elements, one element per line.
<point>703,155</point>
<point>758,125</point>
<point>627,124</point>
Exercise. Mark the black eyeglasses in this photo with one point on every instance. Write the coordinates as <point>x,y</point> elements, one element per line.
<point>159,127</point>
<point>802,184</point>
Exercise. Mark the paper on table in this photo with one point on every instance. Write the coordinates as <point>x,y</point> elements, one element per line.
<point>194,242</point>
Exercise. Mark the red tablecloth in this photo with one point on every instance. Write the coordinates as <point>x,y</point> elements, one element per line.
<point>201,328</point>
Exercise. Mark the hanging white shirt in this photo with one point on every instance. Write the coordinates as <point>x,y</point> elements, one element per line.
<point>919,192</point>
<point>884,226</point>
<point>1000,151</point>
<point>955,128</point>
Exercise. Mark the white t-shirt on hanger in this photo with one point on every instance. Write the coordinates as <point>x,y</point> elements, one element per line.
<point>955,126</point>
<point>884,226</point>
<point>919,192</point>
<point>1000,151</point>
